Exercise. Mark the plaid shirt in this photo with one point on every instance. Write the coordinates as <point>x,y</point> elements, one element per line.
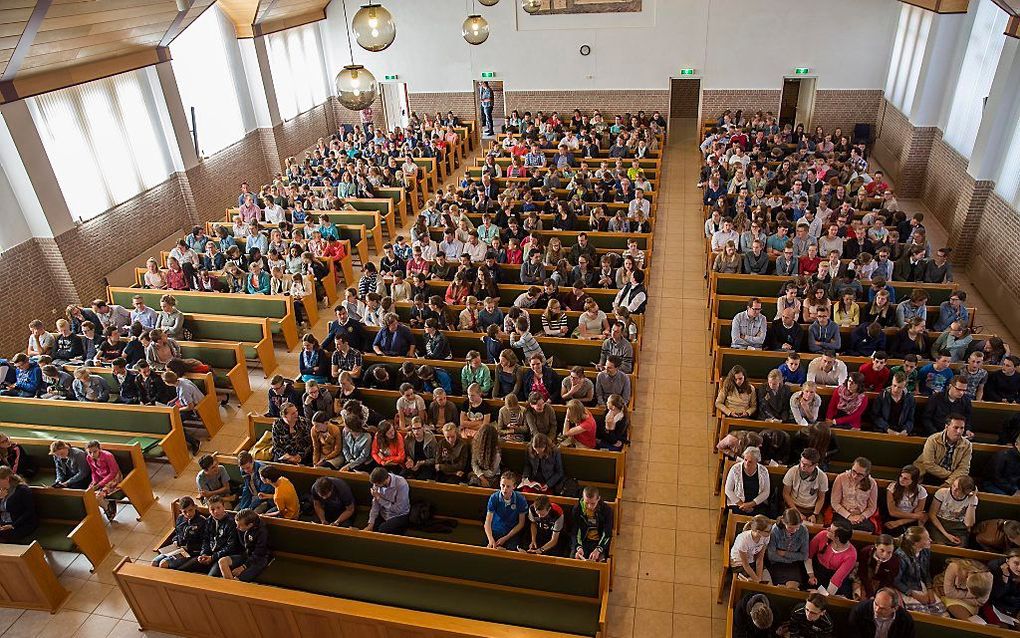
<point>353,359</point>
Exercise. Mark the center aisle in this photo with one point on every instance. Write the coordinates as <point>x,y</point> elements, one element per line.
<point>666,562</point>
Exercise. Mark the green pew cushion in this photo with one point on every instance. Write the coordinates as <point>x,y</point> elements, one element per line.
<point>464,600</point>
<point>52,535</point>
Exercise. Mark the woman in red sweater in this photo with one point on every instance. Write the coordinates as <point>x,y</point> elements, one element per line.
<point>848,403</point>
<point>833,557</point>
<point>388,447</point>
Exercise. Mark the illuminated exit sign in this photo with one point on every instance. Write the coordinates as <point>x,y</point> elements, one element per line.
<point>488,74</point>
<point>686,71</point>
<point>801,70</point>
<point>390,77</point>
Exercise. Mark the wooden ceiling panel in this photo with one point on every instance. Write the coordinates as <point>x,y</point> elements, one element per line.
<point>287,8</point>
<point>15,16</point>
<point>124,35</point>
<point>85,7</point>
<point>62,59</point>
<point>56,35</point>
<point>125,13</point>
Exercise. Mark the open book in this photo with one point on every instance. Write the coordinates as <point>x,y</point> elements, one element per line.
<point>173,551</point>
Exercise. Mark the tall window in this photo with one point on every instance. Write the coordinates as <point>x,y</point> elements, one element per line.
<point>1008,182</point>
<point>976,75</point>
<point>295,57</point>
<point>908,52</point>
<point>206,81</point>
<point>104,140</point>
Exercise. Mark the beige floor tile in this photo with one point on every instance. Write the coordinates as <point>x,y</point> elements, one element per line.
<point>620,622</point>
<point>655,566</point>
<point>654,595</point>
<point>688,625</point>
<point>648,622</point>
<point>692,600</point>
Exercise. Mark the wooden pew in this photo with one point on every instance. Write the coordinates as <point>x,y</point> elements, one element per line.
<point>355,233</point>
<point>990,506</point>
<point>600,468</point>
<point>727,306</point>
<point>70,521</point>
<point>157,429</point>
<point>565,351</point>
<point>509,292</point>
<point>768,286</point>
<point>650,166</point>
<point>29,581</point>
<point>987,417</point>
<point>135,485</point>
<point>464,503</point>
<point>279,309</point>
<point>207,409</point>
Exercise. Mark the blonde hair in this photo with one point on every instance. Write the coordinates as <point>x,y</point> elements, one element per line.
<point>511,401</point>
<point>759,523</point>
<point>576,411</point>
<point>8,474</point>
<point>447,427</point>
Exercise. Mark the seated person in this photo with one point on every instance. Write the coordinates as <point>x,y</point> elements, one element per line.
<point>220,539</point>
<point>420,448</point>
<point>284,494</point>
<point>546,521</point>
<point>883,615</point>
<point>905,500</point>
<point>327,441</point>
<point>953,512</point>
<point>13,455</point>
<point>788,549</point>
<point>1004,474</point>
<point>189,533</point>
<point>1005,596</point>
<point>855,497</point>
<point>747,555</point>
<point>254,555</point>
<point>485,457</point>
<point>833,558</point>
<point>453,455</point>
<point>357,444</point>
<point>914,580</point>
<point>877,567</point>
<point>388,447</point>
<point>997,535</point>
<point>89,387</point>
<point>747,485</point>
<point>18,518</point>
<point>773,399</point>
<point>753,616</point>
<point>72,466</point>
<point>505,514</point>
<point>332,501</point>
<point>256,494</point>
<point>391,503</point>
<point>947,454</point>
<point>292,441</point>
<point>805,486</point>
<point>964,587</point>
<point>592,525</point>
<point>810,620</point>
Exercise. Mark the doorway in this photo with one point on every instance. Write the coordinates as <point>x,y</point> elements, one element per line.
<point>498,105</point>
<point>395,104</point>
<point>797,103</point>
<point>684,97</point>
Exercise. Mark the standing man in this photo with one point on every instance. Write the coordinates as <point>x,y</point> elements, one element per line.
<point>485,99</point>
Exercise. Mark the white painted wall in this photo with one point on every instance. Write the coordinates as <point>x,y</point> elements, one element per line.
<point>743,44</point>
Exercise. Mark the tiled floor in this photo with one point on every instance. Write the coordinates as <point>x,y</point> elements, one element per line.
<point>666,562</point>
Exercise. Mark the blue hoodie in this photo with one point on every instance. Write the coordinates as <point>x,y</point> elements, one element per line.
<point>29,380</point>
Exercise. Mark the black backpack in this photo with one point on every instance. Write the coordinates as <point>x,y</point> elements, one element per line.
<point>422,517</point>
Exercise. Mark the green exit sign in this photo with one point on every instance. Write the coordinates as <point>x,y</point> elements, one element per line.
<point>801,70</point>
<point>686,71</point>
<point>390,77</point>
<point>488,74</point>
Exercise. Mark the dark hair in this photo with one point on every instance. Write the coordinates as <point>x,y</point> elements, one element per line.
<point>379,476</point>
<point>185,502</point>
<point>206,461</point>
<point>843,531</point>
<point>270,473</point>
<point>915,481</point>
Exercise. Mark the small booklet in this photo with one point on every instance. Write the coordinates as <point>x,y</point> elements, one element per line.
<point>173,551</point>
<point>529,483</point>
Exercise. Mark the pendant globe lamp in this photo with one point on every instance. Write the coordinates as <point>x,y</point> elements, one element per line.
<point>475,29</point>
<point>488,3</point>
<point>374,28</point>
<point>356,87</point>
<point>531,6</point>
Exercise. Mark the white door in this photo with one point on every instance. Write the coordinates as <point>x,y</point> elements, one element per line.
<point>806,103</point>
<point>394,97</point>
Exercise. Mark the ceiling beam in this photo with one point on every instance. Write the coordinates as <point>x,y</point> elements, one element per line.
<point>1013,27</point>
<point>38,83</point>
<point>289,22</point>
<point>241,14</point>
<point>25,41</point>
<point>941,6</point>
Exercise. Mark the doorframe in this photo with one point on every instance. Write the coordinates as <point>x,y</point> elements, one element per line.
<point>696,76</point>
<point>477,82</point>
<point>814,90</point>
<point>407,103</point>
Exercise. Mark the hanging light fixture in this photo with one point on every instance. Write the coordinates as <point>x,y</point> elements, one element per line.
<point>374,28</point>
<point>475,29</point>
<point>531,6</point>
<point>356,87</point>
<point>488,3</point>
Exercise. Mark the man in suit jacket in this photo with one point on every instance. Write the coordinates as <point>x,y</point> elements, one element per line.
<point>883,615</point>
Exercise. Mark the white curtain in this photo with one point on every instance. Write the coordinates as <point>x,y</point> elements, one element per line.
<point>206,82</point>
<point>1008,183</point>
<point>104,140</point>
<point>908,53</point>
<point>976,75</point>
<point>295,58</point>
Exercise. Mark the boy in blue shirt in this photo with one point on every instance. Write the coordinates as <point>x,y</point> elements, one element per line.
<point>793,373</point>
<point>935,376</point>
<point>505,514</point>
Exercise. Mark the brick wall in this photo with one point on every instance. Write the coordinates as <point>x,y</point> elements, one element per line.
<point>343,115</point>
<point>216,181</point>
<point>994,268</point>
<point>93,248</point>
<point>30,289</point>
<point>461,103</point>
<point>715,101</point>
<point>903,150</point>
<point>844,108</point>
<point>609,102</point>
<point>946,182</point>
<point>292,137</point>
